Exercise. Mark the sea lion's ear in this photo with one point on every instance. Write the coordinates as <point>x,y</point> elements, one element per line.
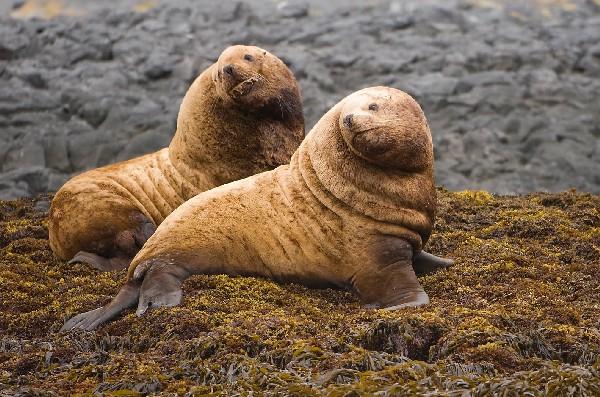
<point>264,53</point>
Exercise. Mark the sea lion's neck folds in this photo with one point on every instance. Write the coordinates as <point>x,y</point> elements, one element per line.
<point>364,194</point>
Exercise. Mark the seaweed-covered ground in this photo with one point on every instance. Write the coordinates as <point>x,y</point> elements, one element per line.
<point>518,314</point>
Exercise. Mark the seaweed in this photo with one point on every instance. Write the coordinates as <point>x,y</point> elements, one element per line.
<point>518,314</point>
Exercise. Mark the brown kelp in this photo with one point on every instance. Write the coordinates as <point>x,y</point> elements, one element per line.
<point>518,313</point>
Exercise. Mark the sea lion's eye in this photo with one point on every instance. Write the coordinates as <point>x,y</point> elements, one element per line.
<point>373,107</point>
<point>248,57</point>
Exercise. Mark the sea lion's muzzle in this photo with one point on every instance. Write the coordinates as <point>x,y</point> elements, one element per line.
<point>369,137</point>
<point>235,80</point>
<point>243,88</point>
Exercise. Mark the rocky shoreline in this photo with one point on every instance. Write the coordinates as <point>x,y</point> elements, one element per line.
<point>511,91</point>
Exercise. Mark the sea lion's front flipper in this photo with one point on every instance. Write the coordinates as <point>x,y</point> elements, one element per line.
<point>127,297</point>
<point>392,287</point>
<point>425,262</point>
<point>390,282</point>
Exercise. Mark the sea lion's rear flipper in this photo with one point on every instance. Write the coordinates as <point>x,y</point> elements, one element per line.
<point>425,262</point>
<point>127,297</point>
<point>100,263</point>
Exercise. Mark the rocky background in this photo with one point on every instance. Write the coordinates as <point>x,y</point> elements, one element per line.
<point>511,89</point>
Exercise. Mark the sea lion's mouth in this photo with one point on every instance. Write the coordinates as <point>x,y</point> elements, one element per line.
<point>243,88</point>
<point>363,131</point>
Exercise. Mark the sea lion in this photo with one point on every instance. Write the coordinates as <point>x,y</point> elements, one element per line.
<point>242,116</point>
<point>351,210</point>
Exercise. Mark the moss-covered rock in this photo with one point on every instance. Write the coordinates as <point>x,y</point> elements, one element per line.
<point>518,314</point>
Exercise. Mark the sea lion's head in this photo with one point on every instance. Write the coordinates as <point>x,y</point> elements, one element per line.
<point>238,71</point>
<point>386,127</point>
<point>257,79</point>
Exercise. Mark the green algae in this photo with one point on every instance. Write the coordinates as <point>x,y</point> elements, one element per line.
<point>518,314</point>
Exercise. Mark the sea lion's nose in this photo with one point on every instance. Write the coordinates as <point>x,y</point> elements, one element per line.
<point>228,69</point>
<point>348,121</point>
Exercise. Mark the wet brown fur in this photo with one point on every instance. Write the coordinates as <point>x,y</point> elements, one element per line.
<point>340,214</point>
<point>230,125</point>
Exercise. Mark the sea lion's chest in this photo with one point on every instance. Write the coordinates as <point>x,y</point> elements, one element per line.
<point>297,237</point>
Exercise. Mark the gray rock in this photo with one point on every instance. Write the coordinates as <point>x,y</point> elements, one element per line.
<point>32,73</point>
<point>264,37</point>
<point>544,86</point>
<point>144,143</point>
<point>508,183</point>
<point>108,152</point>
<point>178,20</point>
<point>292,10</point>
<point>232,11</point>
<point>501,99</point>
<point>483,79</point>
<point>36,178</point>
<point>74,98</point>
<point>11,190</point>
<point>320,74</point>
<point>431,90</point>
<point>451,180</point>
<point>153,26</point>
<point>94,112</point>
<point>42,206</point>
<point>55,181</point>
<point>13,40</point>
<point>471,98</point>
<point>568,154</point>
<point>132,49</point>
<point>16,97</point>
<point>56,153</point>
<point>83,149</point>
<point>590,63</point>
<point>25,181</point>
<point>309,33</point>
<point>432,84</point>
<point>30,155</point>
<point>431,20</point>
<point>159,65</point>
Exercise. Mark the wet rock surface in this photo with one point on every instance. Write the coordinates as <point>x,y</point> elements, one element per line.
<point>511,89</point>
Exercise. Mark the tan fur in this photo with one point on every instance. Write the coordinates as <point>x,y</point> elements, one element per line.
<point>240,117</point>
<point>318,209</point>
<point>352,210</point>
